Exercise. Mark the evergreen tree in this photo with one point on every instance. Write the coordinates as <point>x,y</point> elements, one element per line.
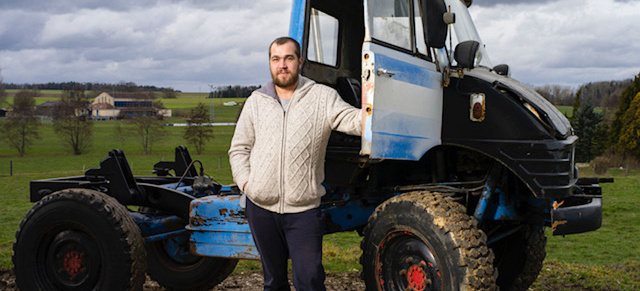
<point>629,139</point>
<point>586,123</point>
<point>3,93</point>
<point>625,102</point>
<point>576,103</point>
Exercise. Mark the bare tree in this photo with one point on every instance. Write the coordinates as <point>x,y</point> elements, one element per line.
<point>556,94</point>
<point>149,129</point>
<point>3,93</point>
<point>197,133</point>
<point>21,128</point>
<point>147,121</point>
<point>72,121</point>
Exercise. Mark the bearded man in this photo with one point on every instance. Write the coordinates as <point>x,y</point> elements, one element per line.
<point>277,158</point>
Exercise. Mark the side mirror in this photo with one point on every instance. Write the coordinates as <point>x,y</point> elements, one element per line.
<point>465,53</point>
<point>433,22</point>
<point>503,70</point>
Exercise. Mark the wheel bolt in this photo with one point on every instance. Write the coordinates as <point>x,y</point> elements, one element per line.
<point>409,260</point>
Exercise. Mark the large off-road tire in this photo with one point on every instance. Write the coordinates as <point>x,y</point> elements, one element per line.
<point>519,258</point>
<point>78,239</point>
<point>425,241</point>
<point>173,267</point>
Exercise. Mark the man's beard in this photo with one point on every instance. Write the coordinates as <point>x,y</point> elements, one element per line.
<point>287,82</point>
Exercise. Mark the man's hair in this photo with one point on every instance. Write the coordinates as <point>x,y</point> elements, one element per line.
<point>283,40</point>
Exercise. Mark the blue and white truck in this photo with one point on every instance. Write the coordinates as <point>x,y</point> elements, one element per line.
<point>458,172</point>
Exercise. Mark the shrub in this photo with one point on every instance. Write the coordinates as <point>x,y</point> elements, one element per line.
<point>601,164</point>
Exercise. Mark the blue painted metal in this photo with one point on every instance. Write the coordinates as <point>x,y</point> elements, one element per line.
<point>348,216</point>
<point>173,185</point>
<point>166,235</point>
<point>225,189</point>
<point>483,203</point>
<point>219,228</point>
<point>177,248</point>
<point>406,118</point>
<point>404,147</point>
<point>296,26</point>
<point>505,210</point>
<point>157,227</point>
<point>496,205</point>
<point>408,72</point>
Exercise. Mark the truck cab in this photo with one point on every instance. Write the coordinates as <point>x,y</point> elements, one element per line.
<point>439,117</point>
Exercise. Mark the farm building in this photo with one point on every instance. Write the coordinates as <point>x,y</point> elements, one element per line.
<point>47,109</point>
<point>107,107</point>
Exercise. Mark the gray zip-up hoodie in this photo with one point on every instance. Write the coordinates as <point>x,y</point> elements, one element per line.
<point>280,155</point>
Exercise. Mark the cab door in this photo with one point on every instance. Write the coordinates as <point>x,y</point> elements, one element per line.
<point>401,87</point>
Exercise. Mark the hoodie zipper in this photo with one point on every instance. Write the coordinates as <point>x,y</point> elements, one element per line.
<point>282,152</point>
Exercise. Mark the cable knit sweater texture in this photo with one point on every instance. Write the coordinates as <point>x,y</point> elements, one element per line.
<point>280,155</point>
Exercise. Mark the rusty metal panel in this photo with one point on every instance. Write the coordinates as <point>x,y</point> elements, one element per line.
<point>220,229</point>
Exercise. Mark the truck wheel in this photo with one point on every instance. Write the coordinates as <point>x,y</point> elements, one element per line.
<point>175,268</point>
<point>425,241</point>
<point>519,258</point>
<point>78,239</point>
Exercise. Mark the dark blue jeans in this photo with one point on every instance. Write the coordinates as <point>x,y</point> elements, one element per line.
<point>294,235</point>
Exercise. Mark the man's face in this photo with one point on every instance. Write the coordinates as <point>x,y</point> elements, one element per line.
<point>285,65</point>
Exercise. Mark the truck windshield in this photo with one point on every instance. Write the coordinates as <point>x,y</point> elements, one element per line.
<point>462,30</point>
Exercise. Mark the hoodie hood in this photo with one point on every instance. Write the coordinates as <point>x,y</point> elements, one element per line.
<point>304,85</point>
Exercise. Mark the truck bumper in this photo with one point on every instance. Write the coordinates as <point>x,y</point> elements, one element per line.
<point>584,215</point>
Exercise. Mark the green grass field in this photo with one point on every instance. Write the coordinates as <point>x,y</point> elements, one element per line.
<point>605,259</point>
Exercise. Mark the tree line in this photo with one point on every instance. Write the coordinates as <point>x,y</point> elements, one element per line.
<point>602,94</point>
<point>232,91</point>
<point>228,91</point>
<point>89,86</point>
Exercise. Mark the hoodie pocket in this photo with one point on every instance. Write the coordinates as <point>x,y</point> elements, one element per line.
<point>262,192</point>
<point>303,194</point>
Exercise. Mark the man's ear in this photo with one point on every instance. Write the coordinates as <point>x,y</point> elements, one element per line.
<point>300,64</point>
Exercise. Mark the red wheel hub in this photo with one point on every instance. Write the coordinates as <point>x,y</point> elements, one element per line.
<point>417,278</point>
<point>72,263</point>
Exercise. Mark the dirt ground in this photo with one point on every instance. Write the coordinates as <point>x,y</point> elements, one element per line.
<point>246,282</point>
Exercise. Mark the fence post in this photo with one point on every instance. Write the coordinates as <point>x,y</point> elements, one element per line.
<point>10,167</point>
<point>219,162</point>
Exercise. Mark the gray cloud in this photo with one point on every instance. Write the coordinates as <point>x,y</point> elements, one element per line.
<point>491,3</point>
<point>563,42</point>
<point>166,43</point>
<point>190,44</point>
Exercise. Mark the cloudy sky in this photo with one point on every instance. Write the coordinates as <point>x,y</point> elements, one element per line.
<point>191,44</point>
